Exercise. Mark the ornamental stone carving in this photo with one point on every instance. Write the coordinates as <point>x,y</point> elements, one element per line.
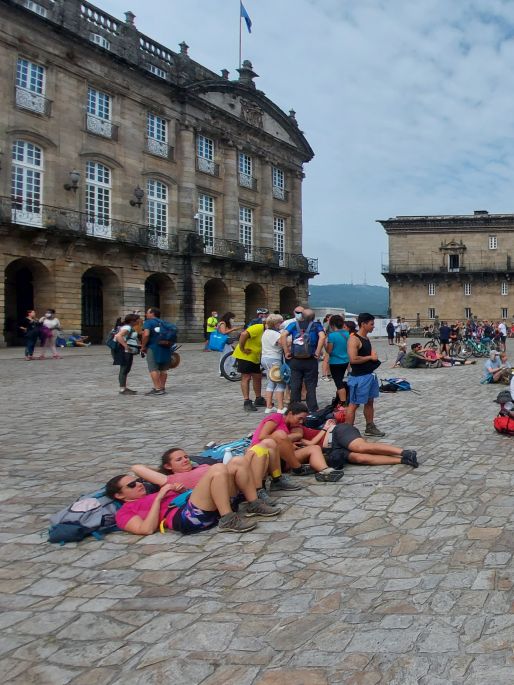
<point>25,99</point>
<point>251,113</point>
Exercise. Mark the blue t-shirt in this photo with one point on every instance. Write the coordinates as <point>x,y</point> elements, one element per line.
<point>161,354</point>
<point>314,332</point>
<point>339,340</point>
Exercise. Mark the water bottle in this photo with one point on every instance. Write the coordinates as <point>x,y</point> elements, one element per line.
<point>227,456</point>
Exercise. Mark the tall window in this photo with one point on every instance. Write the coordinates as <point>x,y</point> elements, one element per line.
<point>278,183</point>
<point>157,212</point>
<point>206,220</point>
<point>246,230</point>
<point>493,242</point>
<point>30,76</point>
<point>431,289</point>
<point>205,155</point>
<point>505,313</point>
<point>431,313</point>
<point>98,199</point>
<point>98,104</point>
<point>467,288</point>
<point>504,288</point>
<point>453,262</point>
<point>26,183</point>
<point>279,229</point>
<point>246,178</point>
<point>157,135</point>
<point>467,313</point>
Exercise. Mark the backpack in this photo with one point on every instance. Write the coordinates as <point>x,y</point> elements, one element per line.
<point>398,383</point>
<point>167,336</point>
<point>504,424</point>
<point>93,514</point>
<point>217,452</point>
<point>301,346</point>
<point>110,341</point>
<point>316,419</point>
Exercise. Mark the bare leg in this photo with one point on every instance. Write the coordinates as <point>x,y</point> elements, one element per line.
<point>212,492</point>
<point>258,465</point>
<point>350,413</point>
<point>361,446</point>
<point>245,386</point>
<point>239,470</point>
<point>287,452</point>
<point>368,411</point>
<point>163,378</point>
<point>257,384</point>
<point>269,397</point>
<point>156,379</point>
<point>313,455</point>
<point>372,459</point>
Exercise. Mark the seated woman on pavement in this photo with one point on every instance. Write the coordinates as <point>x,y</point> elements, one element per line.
<point>182,472</point>
<point>418,358</point>
<point>286,430</point>
<point>344,444</point>
<point>497,368</point>
<point>208,504</point>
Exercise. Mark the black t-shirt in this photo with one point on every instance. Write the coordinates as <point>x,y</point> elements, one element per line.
<point>31,326</point>
<point>444,333</point>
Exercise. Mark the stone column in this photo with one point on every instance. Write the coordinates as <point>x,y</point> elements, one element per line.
<point>294,240</point>
<point>187,183</point>
<point>68,294</point>
<point>264,234</point>
<point>228,227</point>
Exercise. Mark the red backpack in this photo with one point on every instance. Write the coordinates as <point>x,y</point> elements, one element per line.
<point>504,424</point>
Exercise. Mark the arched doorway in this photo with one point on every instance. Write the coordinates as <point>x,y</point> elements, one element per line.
<point>215,297</point>
<point>28,285</point>
<point>101,302</point>
<point>254,297</point>
<point>160,292</point>
<point>288,301</point>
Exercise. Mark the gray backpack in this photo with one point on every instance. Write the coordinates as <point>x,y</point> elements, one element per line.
<point>93,514</point>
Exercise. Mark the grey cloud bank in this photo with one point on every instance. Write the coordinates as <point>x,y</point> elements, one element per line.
<point>408,106</point>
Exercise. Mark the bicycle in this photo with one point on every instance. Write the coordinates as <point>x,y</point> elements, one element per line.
<point>474,348</point>
<point>228,366</point>
<point>432,344</point>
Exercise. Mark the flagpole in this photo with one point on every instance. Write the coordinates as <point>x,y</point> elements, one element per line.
<point>240,39</point>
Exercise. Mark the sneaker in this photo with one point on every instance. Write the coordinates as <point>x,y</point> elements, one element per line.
<point>260,402</point>
<point>153,391</point>
<point>283,410</point>
<point>371,429</point>
<point>283,483</point>
<point>262,494</point>
<point>259,508</point>
<point>409,458</point>
<point>303,470</point>
<point>248,406</point>
<point>269,410</point>
<point>128,391</point>
<point>329,476</point>
<point>233,523</point>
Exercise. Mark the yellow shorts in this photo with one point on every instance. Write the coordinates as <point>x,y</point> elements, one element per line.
<point>260,450</point>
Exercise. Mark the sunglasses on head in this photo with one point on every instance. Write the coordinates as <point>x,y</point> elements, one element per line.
<point>133,483</point>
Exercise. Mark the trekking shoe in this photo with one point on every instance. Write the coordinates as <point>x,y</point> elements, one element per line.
<point>329,475</point>
<point>260,508</point>
<point>233,523</point>
<point>153,391</point>
<point>259,402</point>
<point>409,458</point>
<point>128,391</point>
<point>262,494</point>
<point>371,429</point>
<point>303,470</point>
<point>248,406</point>
<point>283,483</point>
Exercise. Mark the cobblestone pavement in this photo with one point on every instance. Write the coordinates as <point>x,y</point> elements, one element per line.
<point>391,576</point>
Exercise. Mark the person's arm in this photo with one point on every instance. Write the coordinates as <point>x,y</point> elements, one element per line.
<point>150,523</point>
<point>354,345</point>
<point>317,438</point>
<point>268,428</point>
<point>321,342</point>
<point>151,475</point>
<point>144,339</point>
<point>121,338</point>
<point>284,342</point>
<point>329,346</point>
<point>295,435</point>
<point>242,340</point>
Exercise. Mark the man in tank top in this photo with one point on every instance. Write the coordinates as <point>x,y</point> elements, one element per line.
<point>362,381</point>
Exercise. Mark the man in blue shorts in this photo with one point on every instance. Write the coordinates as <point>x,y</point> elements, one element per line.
<point>362,381</point>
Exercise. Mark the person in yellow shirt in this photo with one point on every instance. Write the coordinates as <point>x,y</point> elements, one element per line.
<point>248,355</point>
<point>211,325</point>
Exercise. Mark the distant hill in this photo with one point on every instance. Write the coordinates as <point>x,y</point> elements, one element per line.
<point>354,298</point>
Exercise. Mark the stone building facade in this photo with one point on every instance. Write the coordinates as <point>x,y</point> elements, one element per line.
<point>134,176</point>
<point>451,267</point>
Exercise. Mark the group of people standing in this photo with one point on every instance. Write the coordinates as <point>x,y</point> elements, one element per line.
<point>44,329</point>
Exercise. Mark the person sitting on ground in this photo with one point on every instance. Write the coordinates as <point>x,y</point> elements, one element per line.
<point>77,340</point>
<point>344,443</point>
<point>262,458</point>
<point>497,368</point>
<point>304,460</point>
<point>402,352</point>
<point>414,359</point>
<point>207,505</point>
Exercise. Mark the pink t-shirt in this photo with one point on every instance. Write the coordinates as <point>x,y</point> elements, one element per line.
<point>278,419</point>
<point>141,507</point>
<point>189,479</point>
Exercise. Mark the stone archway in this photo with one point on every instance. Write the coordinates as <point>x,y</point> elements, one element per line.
<point>288,301</point>
<point>255,296</point>
<point>101,302</point>
<point>160,292</point>
<point>28,285</point>
<point>215,297</point>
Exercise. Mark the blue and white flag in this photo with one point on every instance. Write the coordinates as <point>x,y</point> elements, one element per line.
<point>246,17</point>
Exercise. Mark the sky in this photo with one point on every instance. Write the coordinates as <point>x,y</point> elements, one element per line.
<point>407,105</point>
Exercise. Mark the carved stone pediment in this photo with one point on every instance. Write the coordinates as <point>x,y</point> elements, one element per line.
<point>453,246</point>
<point>251,113</point>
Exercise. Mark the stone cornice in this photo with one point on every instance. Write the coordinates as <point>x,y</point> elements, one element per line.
<point>448,223</point>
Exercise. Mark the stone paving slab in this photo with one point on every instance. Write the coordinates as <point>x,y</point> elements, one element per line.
<point>390,576</point>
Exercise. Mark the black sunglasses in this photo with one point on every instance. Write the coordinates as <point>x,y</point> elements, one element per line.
<point>133,483</point>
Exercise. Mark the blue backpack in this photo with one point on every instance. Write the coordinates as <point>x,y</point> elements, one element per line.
<point>93,514</point>
<point>167,336</point>
<point>217,452</point>
<point>301,346</point>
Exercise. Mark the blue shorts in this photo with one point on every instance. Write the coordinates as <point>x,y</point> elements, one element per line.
<point>189,519</point>
<point>363,388</point>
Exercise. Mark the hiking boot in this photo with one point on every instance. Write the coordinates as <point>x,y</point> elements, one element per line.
<point>329,475</point>
<point>259,402</point>
<point>303,470</point>
<point>409,458</point>
<point>283,483</point>
<point>233,523</point>
<point>248,406</point>
<point>371,429</point>
<point>262,494</point>
<point>260,508</point>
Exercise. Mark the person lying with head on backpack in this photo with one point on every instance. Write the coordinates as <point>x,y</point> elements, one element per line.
<point>183,474</point>
<point>208,504</point>
<point>343,444</point>
<point>304,460</point>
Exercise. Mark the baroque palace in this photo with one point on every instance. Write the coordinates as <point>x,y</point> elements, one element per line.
<point>450,267</point>
<point>132,176</point>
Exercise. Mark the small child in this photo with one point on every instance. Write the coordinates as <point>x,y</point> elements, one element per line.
<point>402,351</point>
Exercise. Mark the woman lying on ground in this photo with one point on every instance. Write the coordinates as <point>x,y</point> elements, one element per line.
<point>208,504</point>
<point>344,443</point>
<point>286,430</point>
<point>183,474</point>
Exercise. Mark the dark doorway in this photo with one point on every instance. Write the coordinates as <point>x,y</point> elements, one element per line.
<point>92,308</point>
<point>19,297</point>
<point>215,298</point>
<point>254,297</point>
<point>152,293</point>
<point>288,301</point>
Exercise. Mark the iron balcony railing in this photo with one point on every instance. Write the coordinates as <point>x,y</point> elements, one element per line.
<point>500,264</point>
<point>207,166</point>
<point>27,214</point>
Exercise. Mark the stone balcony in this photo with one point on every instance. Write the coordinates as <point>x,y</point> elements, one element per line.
<point>501,264</point>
